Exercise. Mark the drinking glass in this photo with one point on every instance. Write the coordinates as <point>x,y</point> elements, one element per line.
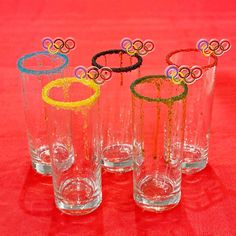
<point>73,133</point>
<point>37,69</point>
<point>115,102</point>
<point>199,107</point>
<point>159,111</point>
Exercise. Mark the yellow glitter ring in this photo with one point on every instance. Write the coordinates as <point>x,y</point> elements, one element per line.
<point>65,83</point>
<point>177,81</point>
<point>50,48</point>
<point>131,53</point>
<point>205,53</point>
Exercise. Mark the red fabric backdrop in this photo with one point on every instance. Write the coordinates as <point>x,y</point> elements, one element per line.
<point>208,204</point>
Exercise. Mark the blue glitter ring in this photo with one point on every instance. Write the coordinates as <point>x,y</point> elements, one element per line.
<point>41,72</point>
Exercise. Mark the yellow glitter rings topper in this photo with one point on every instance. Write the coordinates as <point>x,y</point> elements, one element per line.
<point>99,76</point>
<point>65,83</point>
<point>58,45</point>
<point>138,46</point>
<point>213,46</point>
<point>183,73</point>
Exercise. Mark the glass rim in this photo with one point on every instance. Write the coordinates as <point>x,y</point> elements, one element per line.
<point>59,83</point>
<point>118,69</point>
<point>169,55</point>
<point>163,100</point>
<point>41,72</point>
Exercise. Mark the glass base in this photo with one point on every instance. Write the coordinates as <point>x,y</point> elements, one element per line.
<point>78,196</point>
<point>41,158</point>
<point>157,193</point>
<point>118,158</point>
<point>194,159</point>
<point>41,168</point>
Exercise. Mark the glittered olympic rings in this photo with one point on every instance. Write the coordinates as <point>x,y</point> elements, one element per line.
<point>99,76</point>
<point>58,45</point>
<point>137,46</point>
<point>183,73</point>
<point>218,48</point>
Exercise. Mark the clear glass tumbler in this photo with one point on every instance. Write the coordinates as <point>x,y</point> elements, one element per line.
<point>158,129</point>
<point>73,133</point>
<point>37,69</point>
<point>115,102</point>
<point>199,107</point>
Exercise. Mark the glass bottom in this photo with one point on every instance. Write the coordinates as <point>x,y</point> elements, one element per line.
<point>78,196</point>
<point>41,161</point>
<point>157,193</point>
<point>42,169</point>
<point>194,159</point>
<point>118,158</point>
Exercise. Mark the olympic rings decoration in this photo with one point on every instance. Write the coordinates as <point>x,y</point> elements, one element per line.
<point>99,76</point>
<point>58,45</point>
<point>183,73</point>
<point>214,46</point>
<point>137,46</point>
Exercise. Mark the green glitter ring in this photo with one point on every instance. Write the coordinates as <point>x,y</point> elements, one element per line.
<point>163,100</point>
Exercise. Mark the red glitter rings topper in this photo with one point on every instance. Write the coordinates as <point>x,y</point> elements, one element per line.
<point>213,46</point>
<point>99,76</point>
<point>58,45</point>
<point>138,46</point>
<point>183,73</point>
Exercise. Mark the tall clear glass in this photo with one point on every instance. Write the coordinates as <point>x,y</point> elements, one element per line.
<point>73,133</point>
<point>115,102</point>
<point>36,70</point>
<point>158,130</point>
<point>199,107</point>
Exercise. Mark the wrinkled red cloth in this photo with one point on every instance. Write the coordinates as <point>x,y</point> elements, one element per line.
<point>208,204</point>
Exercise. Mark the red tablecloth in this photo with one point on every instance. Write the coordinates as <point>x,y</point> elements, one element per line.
<point>208,204</point>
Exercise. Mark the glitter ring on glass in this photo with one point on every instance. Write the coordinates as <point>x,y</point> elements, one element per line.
<point>69,105</point>
<point>150,99</point>
<point>118,69</point>
<point>24,69</point>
